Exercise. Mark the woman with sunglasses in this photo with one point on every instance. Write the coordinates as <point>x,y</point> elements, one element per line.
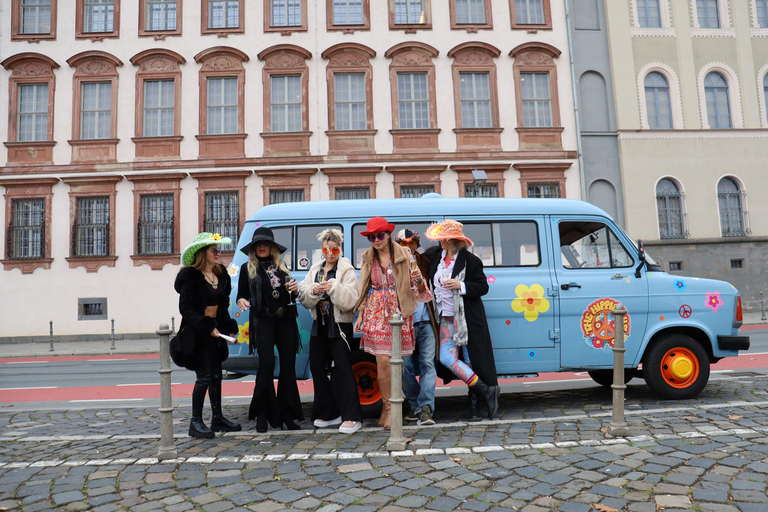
<point>387,286</point>
<point>203,285</point>
<point>329,292</point>
<point>265,286</point>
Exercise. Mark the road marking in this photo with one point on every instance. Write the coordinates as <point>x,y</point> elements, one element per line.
<point>109,400</point>
<point>25,389</point>
<point>26,362</point>
<point>147,384</point>
<point>102,360</point>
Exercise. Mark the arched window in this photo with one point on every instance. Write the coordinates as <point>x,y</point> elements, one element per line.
<point>669,203</point>
<point>729,198</point>
<point>657,101</point>
<point>649,13</point>
<point>718,103</point>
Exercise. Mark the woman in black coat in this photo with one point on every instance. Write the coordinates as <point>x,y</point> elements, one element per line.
<point>265,286</point>
<point>204,285</point>
<point>465,341</point>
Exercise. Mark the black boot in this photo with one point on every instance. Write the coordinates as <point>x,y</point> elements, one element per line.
<point>474,407</point>
<point>491,396</point>
<point>262,423</point>
<point>219,423</point>
<point>196,426</point>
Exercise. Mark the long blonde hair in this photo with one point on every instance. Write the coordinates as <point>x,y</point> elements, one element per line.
<point>253,268</point>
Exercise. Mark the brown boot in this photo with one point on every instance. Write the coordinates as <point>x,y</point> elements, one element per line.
<point>385,387</point>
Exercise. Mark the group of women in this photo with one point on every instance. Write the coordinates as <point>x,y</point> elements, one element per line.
<point>389,284</point>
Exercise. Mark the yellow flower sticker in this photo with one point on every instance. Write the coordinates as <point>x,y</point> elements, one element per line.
<point>244,334</point>
<point>216,237</point>
<point>530,301</point>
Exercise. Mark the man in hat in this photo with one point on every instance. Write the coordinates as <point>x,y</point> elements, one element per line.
<point>421,394</point>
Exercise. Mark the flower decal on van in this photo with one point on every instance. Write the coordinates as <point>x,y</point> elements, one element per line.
<point>233,270</point>
<point>244,334</point>
<point>680,285</point>
<point>713,301</point>
<point>530,301</point>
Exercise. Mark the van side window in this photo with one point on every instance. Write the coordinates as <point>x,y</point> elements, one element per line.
<point>505,244</point>
<point>591,245</point>
<point>360,243</point>
<point>308,249</point>
<point>284,236</point>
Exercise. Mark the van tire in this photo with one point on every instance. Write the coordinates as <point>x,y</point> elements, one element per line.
<point>366,376</point>
<point>605,377</point>
<point>676,350</point>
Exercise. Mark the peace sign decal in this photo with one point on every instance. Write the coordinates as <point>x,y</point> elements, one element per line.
<point>685,311</point>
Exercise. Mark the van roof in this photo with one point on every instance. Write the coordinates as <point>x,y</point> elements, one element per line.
<point>429,205</point>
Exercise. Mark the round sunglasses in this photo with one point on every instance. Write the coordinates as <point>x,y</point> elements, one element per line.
<point>377,236</point>
<point>335,250</point>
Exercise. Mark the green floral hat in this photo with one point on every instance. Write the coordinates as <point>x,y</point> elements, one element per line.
<point>202,240</point>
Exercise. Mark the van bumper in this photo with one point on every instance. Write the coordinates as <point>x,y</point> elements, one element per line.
<point>733,342</point>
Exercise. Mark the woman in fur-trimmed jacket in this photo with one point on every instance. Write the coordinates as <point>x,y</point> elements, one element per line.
<point>330,293</point>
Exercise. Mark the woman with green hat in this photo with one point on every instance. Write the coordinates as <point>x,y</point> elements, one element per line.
<point>204,285</point>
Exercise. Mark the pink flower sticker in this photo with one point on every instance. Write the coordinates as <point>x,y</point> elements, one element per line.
<point>491,279</point>
<point>713,301</point>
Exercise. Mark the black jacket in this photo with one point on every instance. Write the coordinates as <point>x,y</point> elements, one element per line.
<point>194,292</point>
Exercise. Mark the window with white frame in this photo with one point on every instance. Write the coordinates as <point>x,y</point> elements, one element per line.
<point>730,202</point>
<point>223,13</point>
<point>708,13</point>
<point>470,12</point>
<point>285,13</point>
<point>161,15</point>
<point>159,105</point>
<point>221,105</point>
<point>537,101</point>
<point>649,13</point>
<point>529,12</point>
<point>35,16</point>
<point>409,12</point>
<point>412,101</point>
<point>286,195</point>
<point>546,190</point>
<point>156,224</point>
<point>286,103</point>
<point>90,233</point>
<point>475,95</point>
<point>222,215</point>
<point>33,112</point>
<point>669,205</point>
<point>761,12</point>
<point>718,101</point>
<point>347,12</point>
<point>96,110</point>
<point>99,15</point>
<point>657,101</point>
<point>350,101</point>
<point>26,230</point>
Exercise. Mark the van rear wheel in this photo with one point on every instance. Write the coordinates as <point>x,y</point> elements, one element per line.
<point>605,377</point>
<point>366,376</point>
<point>676,367</point>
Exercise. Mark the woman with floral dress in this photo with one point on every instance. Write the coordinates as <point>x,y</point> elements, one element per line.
<point>388,286</point>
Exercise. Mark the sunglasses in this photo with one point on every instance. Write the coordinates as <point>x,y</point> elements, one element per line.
<point>335,250</point>
<point>377,236</point>
<point>263,243</point>
<point>216,251</point>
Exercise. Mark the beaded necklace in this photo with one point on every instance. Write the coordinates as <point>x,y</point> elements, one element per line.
<point>274,279</point>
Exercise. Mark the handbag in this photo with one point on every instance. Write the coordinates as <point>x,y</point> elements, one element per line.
<point>182,347</point>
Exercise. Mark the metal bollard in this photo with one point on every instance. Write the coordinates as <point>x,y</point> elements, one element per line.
<point>167,449</point>
<point>618,426</point>
<point>113,335</point>
<point>51,349</point>
<point>762,307</point>
<point>396,440</point>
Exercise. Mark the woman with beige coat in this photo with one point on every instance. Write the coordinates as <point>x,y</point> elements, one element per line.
<point>329,292</point>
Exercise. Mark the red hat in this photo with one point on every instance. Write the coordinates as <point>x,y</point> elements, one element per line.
<point>377,225</point>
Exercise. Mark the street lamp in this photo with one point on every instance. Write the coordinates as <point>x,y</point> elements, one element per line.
<point>478,178</point>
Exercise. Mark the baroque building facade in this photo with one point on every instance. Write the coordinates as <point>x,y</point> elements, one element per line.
<point>134,125</point>
<point>691,82</point>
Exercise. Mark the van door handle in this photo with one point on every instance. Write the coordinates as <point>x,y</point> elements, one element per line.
<point>570,285</point>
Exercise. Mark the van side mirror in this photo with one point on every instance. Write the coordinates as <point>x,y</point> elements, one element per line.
<point>641,255</point>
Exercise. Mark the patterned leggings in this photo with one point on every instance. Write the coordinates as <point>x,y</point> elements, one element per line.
<point>449,353</point>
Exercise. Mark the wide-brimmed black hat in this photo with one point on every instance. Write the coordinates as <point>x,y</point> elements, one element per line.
<point>262,233</point>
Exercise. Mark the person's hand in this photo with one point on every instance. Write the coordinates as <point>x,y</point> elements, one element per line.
<point>215,333</point>
<point>452,284</point>
<point>233,335</point>
<point>317,289</point>
<point>293,286</point>
<point>243,304</point>
<point>416,276</point>
<point>327,285</point>
<point>359,322</point>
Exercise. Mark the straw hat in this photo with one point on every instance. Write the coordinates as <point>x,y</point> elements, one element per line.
<point>447,230</point>
<point>202,240</point>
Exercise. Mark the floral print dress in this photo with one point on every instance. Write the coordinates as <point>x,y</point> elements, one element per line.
<point>380,306</point>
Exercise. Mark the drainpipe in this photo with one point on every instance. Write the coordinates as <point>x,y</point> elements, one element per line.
<point>582,181</point>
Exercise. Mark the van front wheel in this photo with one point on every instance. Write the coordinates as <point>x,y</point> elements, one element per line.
<point>676,367</point>
<point>366,376</point>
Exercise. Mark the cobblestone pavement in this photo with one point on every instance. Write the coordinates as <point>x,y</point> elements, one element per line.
<point>548,452</point>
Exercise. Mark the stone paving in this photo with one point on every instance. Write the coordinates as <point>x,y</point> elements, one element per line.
<point>548,452</point>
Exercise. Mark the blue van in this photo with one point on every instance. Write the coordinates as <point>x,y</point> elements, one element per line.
<point>556,269</point>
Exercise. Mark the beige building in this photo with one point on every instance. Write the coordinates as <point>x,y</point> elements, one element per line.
<point>134,125</point>
<point>690,86</point>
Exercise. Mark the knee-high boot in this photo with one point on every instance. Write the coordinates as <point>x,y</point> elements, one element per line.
<point>385,387</point>
<point>490,394</point>
<point>196,426</point>
<point>474,407</point>
<point>218,422</point>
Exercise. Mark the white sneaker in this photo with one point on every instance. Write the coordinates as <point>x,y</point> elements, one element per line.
<point>327,423</point>
<point>351,430</point>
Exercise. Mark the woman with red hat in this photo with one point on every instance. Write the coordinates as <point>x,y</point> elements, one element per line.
<point>387,286</point>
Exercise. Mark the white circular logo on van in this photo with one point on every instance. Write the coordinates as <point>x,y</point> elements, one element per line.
<point>303,262</point>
